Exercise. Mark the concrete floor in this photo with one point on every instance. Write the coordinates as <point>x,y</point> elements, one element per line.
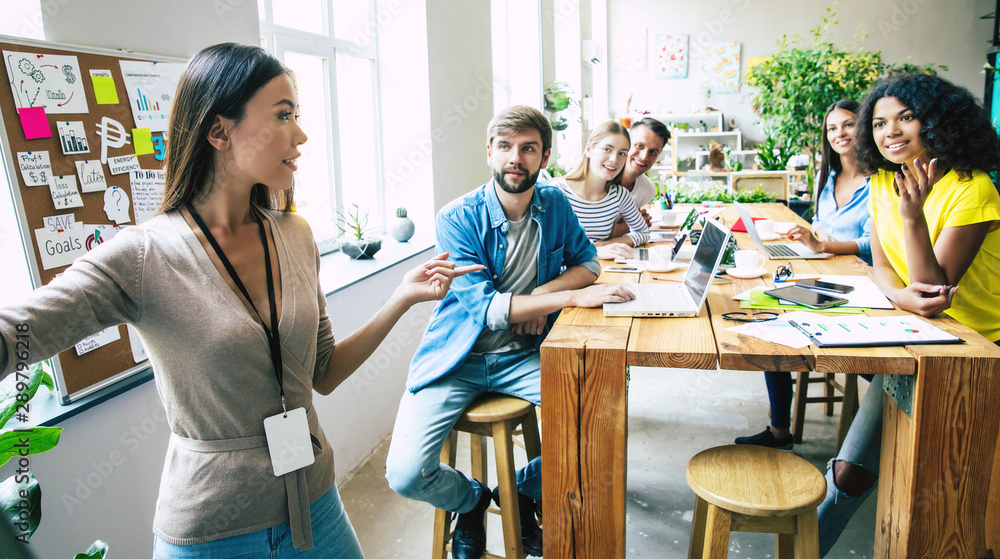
<point>673,415</point>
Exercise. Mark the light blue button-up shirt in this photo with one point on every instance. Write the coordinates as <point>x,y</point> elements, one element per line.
<point>849,222</point>
<point>474,230</point>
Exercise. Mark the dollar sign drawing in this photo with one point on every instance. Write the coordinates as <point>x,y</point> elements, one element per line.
<point>42,177</point>
<point>31,175</point>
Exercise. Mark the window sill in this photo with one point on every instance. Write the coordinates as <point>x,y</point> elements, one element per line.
<point>337,271</point>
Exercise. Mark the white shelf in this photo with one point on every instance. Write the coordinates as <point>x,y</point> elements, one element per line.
<point>688,144</point>
<point>712,120</point>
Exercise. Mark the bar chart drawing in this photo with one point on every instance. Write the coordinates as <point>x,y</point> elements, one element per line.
<point>72,137</point>
<point>143,102</point>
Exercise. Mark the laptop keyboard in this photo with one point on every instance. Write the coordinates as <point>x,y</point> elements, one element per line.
<point>780,250</point>
<point>665,298</point>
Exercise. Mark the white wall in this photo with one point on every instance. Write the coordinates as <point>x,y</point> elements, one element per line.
<point>461,94</point>
<point>179,28</point>
<point>947,32</point>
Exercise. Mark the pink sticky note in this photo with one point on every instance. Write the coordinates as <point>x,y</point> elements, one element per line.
<point>35,123</point>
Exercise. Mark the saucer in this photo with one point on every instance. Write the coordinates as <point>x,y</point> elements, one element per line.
<point>771,237</point>
<point>747,275</point>
<point>668,267</point>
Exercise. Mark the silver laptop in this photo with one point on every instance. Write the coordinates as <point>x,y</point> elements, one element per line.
<point>684,299</point>
<point>776,251</point>
<point>681,235</point>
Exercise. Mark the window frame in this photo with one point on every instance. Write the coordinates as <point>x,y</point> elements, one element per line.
<point>277,39</point>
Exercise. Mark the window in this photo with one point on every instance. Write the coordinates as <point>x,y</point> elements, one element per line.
<point>330,46</point>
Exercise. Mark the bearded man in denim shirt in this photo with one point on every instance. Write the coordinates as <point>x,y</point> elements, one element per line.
<point>484,335</point>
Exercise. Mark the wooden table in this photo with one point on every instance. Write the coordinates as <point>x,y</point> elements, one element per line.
<point>939,488</point>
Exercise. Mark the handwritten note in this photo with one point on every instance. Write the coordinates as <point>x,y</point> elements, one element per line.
<point>147,192</point>
<point>64,192</point>
<point>60,249</point>
<point>52,81</point>
<point>91,175</point>
<point>34,123</point>
<point>59,223</point>
<point>36,170</point>
<point>102,338</point>
<point>123,164</point>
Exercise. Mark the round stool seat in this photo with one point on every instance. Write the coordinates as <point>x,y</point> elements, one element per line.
<point>495,407</point>
<point>756,480</point>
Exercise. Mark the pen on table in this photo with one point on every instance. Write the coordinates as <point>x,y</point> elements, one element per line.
<point>793,280</point>
<point>668,279</point>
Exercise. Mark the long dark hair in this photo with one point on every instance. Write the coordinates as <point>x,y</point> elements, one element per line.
<point>831,159</point>
<point>218,81</point>
<point>582,171</point>
<point>954,127</point>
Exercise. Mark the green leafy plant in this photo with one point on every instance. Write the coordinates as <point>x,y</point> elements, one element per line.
<point>554,168</point>
<point>21,494</point>
<point>353,221</point>
<point>560,100</point>
<point>796,84</point>
<point>774,156</point>
<point>696,193</point>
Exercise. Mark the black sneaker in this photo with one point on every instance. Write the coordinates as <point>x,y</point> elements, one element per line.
<point>767,438</point>
<point>469,539</point>
<point>531,533</point>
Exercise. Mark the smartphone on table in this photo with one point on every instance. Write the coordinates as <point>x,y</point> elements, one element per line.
<point>806,297</point>
<point>826,286</point>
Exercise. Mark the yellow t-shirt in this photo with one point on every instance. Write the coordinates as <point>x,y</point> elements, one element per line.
<point>952,203</point>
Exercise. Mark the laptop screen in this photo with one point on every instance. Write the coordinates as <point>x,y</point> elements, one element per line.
<point>706,258</point>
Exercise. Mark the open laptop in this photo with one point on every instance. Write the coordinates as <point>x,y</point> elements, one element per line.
<point>776,251</point>
<point>687,298</point>
<point>642,254</point>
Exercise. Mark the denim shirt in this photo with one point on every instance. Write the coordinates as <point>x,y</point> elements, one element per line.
<point>474,230</point>
<point>851,221</point>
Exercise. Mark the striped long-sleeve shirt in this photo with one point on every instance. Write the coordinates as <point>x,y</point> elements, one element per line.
<point>599,217</point>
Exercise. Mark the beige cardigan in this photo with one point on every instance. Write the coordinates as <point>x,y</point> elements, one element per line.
<point>212,367</point>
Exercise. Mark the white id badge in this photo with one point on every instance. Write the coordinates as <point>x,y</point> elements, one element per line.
<point>288,441</point>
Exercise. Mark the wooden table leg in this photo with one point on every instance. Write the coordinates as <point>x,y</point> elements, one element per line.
<point>585,413</point>
<point>940,479</point>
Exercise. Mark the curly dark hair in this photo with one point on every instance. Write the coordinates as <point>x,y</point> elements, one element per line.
<point>954,127</point>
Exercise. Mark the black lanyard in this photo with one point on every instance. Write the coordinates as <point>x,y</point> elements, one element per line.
<point>273,337</point>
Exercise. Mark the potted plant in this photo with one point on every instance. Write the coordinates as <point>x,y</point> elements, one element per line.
<point>358,245</point>
<point>401,227</point>
<point>559,97</point>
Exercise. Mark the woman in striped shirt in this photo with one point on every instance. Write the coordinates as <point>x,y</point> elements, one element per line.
<point>595,192</point>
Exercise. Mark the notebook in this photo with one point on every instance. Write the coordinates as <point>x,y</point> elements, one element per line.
<point>776,251</point>
<point>687,298</point>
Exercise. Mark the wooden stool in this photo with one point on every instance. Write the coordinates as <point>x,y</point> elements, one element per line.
<point>748,488</point>
<point>848,408</point>
<point>492,415</point>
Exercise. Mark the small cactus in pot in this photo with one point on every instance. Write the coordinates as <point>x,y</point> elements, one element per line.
<point>401,228</point>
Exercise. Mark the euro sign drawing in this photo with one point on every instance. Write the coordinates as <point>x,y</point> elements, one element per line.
<point>112,135</point>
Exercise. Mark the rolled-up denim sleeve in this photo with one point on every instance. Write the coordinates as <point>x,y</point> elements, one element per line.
<point>498,313</point>
<point>474,291</point>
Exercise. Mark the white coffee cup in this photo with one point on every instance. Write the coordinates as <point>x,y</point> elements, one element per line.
<point>765,227</point>
<point>748,261</point>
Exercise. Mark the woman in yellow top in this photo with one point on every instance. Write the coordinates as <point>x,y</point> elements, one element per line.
<point>935,240</point>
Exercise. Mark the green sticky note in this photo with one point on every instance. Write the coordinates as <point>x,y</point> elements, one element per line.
<point>104,90</point>
<point>142,138</point>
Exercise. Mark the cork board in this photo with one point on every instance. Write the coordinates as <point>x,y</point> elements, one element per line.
<point>39,74</point>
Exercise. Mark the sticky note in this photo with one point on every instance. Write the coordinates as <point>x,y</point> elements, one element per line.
<point>34,122</point>
<point>104,90</point>
<point>142,138</point>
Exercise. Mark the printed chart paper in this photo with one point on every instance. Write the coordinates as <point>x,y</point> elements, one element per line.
<point>46,80</point>
<point>100,234</point>
<point>36,170</point>
<point>72,137</point>
<point>151,87</point>
<point>147,192</point>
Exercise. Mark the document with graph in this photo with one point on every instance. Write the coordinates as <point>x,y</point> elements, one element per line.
<point>873,331</point>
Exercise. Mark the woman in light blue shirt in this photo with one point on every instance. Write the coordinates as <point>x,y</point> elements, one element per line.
<point>840,226</point>
<point>841,222</point>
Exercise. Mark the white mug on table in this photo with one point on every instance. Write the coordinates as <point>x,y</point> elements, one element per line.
<point>748,261</point>
<point>765,227</point>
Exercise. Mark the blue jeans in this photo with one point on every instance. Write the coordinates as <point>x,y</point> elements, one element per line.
<point>862,447</point>
<point>333,538</point>
<point>779,393</point>
<point>426,417</point>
